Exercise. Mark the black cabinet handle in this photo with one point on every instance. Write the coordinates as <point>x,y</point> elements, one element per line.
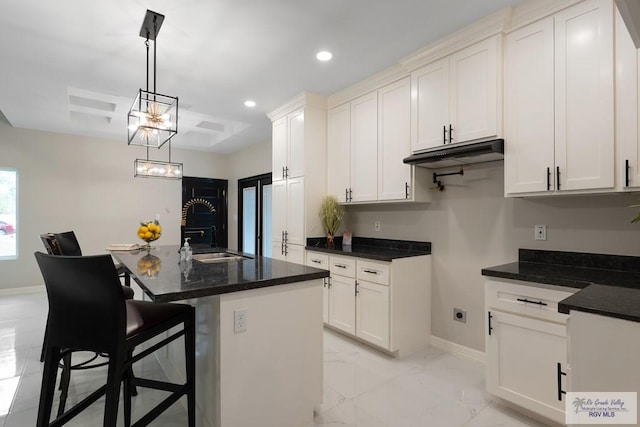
<point>324,282</point>
<point>560,374</point>
<point>450,133</point>
<point>357,288</point>
<point>317,261</point>
<point>370,271</point>
<point>531,302</point>
<point>548,179</point>
<point>284,175</point>
<point>350,194</point>
<point>287,171</point>
<point>346,195</point>
<point>444,134</point>
<point>340,265</point>
<point>626,173</point>
<point>558,178</point>
<point>406,190</point>
<point>329,282</point>
<point>489,317</point>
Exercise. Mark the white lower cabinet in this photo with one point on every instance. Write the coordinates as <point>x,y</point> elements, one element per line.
<point>386,304</point>
<point>526,346</point>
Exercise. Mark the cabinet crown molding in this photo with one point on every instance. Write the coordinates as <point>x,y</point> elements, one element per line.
<point>534,10</point>
<point>482,29</point>
<point>304,99</point>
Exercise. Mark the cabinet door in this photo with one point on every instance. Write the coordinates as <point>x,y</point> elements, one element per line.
<point>339,151</point>
<point>279,211</point>
<point>342,304</point>
<point>372,308</point>
<point>627,107</point>
<point>529,114</point>
<point>364,148</point>
<point>394,140</point>
<point>279,149</point>
<point>430,106</point>
<point>522,359</point>
<point>294,253</point>
<point>295,211</point>
<point>474,91</point>
<point>277,250</point>
<point>584,96</point>
<point>321,261</point>
<point>295,161</point>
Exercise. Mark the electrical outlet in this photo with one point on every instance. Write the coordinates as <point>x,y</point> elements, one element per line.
<point>460,315</point>
<point>540,232</point>
<point>240,320</point>
<point>376,226</point>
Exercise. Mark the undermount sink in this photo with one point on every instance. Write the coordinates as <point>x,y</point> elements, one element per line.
<point>218,257</point>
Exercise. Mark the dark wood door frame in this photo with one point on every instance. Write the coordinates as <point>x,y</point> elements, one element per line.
<point>258,181</point>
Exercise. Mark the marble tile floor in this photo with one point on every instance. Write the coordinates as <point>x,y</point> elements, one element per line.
<point>363,388</point>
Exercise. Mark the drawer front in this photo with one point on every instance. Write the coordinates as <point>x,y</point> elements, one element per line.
<point>528,300</point>
<point>317,260</point>
<point>371,271</point>
<point>344,266</point>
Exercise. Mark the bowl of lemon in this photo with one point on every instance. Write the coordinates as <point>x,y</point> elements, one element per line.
<point>149,231</point>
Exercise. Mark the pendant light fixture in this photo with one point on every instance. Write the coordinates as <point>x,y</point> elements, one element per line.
<point>153,118</point>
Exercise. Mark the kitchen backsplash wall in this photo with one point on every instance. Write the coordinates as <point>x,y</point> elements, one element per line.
<point>471,225</point>
<point>68,182</point>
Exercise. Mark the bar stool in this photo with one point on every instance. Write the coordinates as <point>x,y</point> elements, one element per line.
<point>88,312</point>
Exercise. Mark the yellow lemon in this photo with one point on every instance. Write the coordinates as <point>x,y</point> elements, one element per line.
<point>142,229</point>
<point>148,235</point>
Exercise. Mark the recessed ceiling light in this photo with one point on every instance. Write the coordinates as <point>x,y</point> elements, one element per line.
<point>250,104</point>
<point>324,55</point>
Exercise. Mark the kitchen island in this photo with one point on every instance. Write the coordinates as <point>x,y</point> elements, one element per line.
<point>259,333</point>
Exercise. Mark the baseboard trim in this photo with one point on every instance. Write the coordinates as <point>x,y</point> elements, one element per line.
<point>20,291</point>
<point>458,350</point>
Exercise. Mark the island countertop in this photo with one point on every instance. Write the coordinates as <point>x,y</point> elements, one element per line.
<point>162,277</point>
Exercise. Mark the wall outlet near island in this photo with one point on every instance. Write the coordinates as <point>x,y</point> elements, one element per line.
<point>376,226</point>
<point>540,232</point>
<point>240,320</point>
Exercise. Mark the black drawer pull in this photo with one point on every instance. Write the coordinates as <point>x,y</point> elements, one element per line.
<point>532,302</point>
<point>340,265</point>
<point>444,134</point>
<point>370,271</point>
<point>560,374</point>
<point>548,179</point>
<point>558,178</point>
<point>626,173</point>
<point>317,261</point>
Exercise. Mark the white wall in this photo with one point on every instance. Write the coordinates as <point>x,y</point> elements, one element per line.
<point>86,184</point>
<point>252,161</point>
<point>472,226</point>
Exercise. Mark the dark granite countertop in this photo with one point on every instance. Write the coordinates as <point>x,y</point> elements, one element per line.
<point>621,303</point>
<point>370,248</point>
<point>610,284</point>
<point>163,278</point>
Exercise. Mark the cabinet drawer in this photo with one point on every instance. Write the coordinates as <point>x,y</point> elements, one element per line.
<point>344,266</point>
<point>371,271</point>
<point>531,301</point>
<point>317,260</point>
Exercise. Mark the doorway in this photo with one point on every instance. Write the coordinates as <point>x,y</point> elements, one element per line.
<point>254,214</point>
<point>204,212</point>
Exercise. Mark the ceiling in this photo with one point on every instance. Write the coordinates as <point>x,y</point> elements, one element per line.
<point>74,66</point>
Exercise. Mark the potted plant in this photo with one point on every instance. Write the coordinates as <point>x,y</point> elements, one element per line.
<point>331,214</point>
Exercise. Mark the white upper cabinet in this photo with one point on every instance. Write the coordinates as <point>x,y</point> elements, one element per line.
<point>339,151</point>
<point>559,108</point>
<point>430,105</point>
<point>288,146</point>
<point>279,149</point>
<point>627,108</point>
<point>455,99</point>
<point>474,92</point>
<point>529,108</point>
<point>364,148</point>
<point>394,140</point>
<point>584,96</point>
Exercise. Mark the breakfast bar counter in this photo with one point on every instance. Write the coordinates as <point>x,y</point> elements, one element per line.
<point>259,333</point>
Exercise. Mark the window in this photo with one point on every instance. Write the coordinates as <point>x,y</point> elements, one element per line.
<point>254,209</point>
<point>8,213</point>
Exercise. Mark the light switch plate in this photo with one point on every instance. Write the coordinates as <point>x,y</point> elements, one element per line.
<point>540,232</point>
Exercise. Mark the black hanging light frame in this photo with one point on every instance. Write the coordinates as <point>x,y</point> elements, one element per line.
<point>153,117</point>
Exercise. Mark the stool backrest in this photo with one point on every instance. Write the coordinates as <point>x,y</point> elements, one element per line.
<point>50,244</point>
<point>68,243</point>
<point>86,302</point>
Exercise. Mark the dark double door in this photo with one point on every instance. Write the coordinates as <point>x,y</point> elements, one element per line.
<point>204,211</point>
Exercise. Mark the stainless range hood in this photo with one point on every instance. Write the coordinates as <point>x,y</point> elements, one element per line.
<point>459,154</point>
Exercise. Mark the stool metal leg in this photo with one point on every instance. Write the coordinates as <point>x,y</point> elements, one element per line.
<point>47,390</point>
<point>64,382</point>
<point>190,359</point>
